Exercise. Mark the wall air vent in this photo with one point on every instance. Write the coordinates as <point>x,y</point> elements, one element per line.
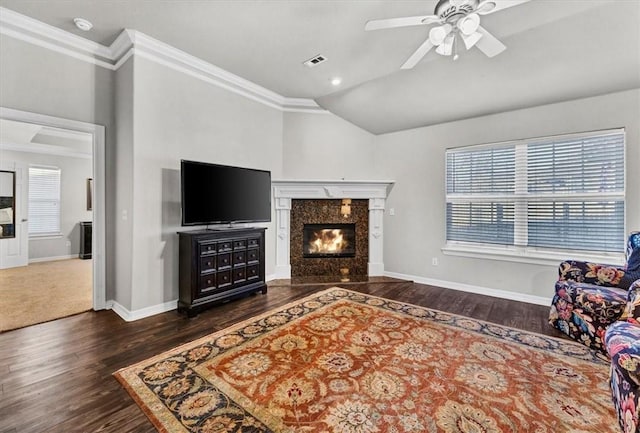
<point>314,61</point>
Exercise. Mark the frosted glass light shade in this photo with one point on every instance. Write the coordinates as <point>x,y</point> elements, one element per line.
<point>438,34</point>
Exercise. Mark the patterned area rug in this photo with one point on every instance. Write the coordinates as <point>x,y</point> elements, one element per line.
<point>341,361</point>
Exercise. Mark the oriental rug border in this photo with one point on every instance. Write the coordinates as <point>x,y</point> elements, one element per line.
<point>192,388</point>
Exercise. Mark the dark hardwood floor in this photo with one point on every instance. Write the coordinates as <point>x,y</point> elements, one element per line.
<point>57,376</point>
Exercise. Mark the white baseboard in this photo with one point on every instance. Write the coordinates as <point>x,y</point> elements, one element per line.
<point>504,294</point>
<point>130,316</point>
<point>51,259</point>
<point>271,277</point>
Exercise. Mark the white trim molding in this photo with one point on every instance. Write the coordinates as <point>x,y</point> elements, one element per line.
<point>134,43</point>
<point>99,192</point>
<point>130,316</point>
<point>286,190</point>
<point>496,293</point>
<point>53,259</point>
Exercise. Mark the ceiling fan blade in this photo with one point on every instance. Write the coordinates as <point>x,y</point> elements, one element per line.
<point>488,43</point>
<point>499,5</point>
<point>417,55</point>
<point>391,23</point>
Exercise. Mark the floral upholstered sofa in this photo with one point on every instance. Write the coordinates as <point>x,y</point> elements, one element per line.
<point>589,297</point>
<point>622,341</point>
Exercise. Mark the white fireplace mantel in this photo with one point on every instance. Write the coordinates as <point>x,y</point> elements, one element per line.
<point>374,190</point>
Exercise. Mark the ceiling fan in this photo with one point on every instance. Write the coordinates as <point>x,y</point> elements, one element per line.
<point>457,19</point>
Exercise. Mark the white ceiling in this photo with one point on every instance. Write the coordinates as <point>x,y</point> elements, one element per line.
<point>557,50</point>
<point>29,137</point>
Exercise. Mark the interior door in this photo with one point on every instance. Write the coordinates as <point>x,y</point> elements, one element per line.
<point>14,251</point>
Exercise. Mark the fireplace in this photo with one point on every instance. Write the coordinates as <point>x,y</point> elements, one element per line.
<point>302,202</point>
<point>329,240</point>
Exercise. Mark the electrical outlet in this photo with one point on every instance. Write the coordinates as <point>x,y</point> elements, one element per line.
<point>434,261</point>
<point>392,211</point>
<point>68,243</point>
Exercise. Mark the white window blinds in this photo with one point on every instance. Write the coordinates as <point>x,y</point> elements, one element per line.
<point>563,192</point>
<point>44,200</point>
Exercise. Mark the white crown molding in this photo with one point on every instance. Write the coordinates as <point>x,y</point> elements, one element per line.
<point>131,42</point>
<point>38,33</point>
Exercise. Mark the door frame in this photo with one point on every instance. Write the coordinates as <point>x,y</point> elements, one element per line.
<point>99,200</point>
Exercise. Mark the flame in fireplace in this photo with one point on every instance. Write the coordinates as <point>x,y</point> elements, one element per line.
<point>327,241</point>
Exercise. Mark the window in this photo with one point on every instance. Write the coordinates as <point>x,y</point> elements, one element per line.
<point>44,201</point>
<point>554,193</point>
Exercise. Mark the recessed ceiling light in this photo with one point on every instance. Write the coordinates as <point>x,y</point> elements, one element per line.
<point>336,81</point>
<point>82,24</point>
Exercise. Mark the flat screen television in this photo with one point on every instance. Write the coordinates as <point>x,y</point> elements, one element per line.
<point>216,194</point>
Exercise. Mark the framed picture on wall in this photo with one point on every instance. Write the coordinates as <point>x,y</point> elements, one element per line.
<point>89,194</point>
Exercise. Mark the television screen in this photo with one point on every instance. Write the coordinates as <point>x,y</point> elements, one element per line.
<point>214,193</point>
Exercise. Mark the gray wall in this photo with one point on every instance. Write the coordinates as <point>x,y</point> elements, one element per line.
<point>120,157</point>
<point>42,81</point>
<point>415,160</point>
<point>164,115</point>
<point>176,116</point>
<point>324,146</point>
<point>73,203</point>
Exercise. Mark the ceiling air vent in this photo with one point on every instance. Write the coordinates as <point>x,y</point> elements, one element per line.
<point>314,61</point>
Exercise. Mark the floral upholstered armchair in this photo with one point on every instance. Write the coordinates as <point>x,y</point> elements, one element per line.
<point>622,341</point>
<point>589,296</point>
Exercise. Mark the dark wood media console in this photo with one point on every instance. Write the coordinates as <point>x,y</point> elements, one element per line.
<point>217,265</point>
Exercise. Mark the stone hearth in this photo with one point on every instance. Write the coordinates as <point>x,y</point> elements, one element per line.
<point>326,213</point>
<point>372,193</point>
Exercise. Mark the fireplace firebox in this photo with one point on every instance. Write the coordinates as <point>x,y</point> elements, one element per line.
<point>329,240</point>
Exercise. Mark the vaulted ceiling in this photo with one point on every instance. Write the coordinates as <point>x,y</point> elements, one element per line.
<point>557,50</point>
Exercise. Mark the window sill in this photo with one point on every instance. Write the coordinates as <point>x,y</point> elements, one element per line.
<point>529,255</point>
<point>45,236</point>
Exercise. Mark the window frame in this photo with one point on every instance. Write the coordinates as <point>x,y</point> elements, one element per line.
<point>521,197</point>
<point>49,234</point>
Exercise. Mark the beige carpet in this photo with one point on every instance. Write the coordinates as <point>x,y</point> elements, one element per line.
<point>44,291</point>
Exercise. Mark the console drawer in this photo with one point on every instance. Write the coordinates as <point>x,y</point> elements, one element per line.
<point>253,255</point>
<point>225,246</point>
<point>224,279</point>
<point>253,272</point>
<point>207,264</point>
<point>239,244</point>
<point>207,283</point>
<point>224,260</point>
<point>239,274</point>
<point>207,248</point>
<point>239,257</point>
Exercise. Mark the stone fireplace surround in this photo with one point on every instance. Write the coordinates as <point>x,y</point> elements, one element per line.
<point>286,190</point>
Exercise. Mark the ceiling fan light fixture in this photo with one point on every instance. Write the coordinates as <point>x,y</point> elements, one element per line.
<point>437,35</point>
<point>469,24</point>
<point>446,48</point>
<point>486,7</point>
<point>471,40</point>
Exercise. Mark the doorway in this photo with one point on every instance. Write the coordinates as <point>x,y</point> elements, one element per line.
<point>94,208</point>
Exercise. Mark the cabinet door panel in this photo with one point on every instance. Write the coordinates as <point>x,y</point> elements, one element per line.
<point>239,257</point>
<point>224,261</point>
<point>253,256</point>
<point>253,272</point>
<point>207,264</point>
<point>207,248</point>
<point>224,279</point>
<point>225,246</point>
<point>239,244</point>
<point>207,284</point>
<point>239,275</point>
